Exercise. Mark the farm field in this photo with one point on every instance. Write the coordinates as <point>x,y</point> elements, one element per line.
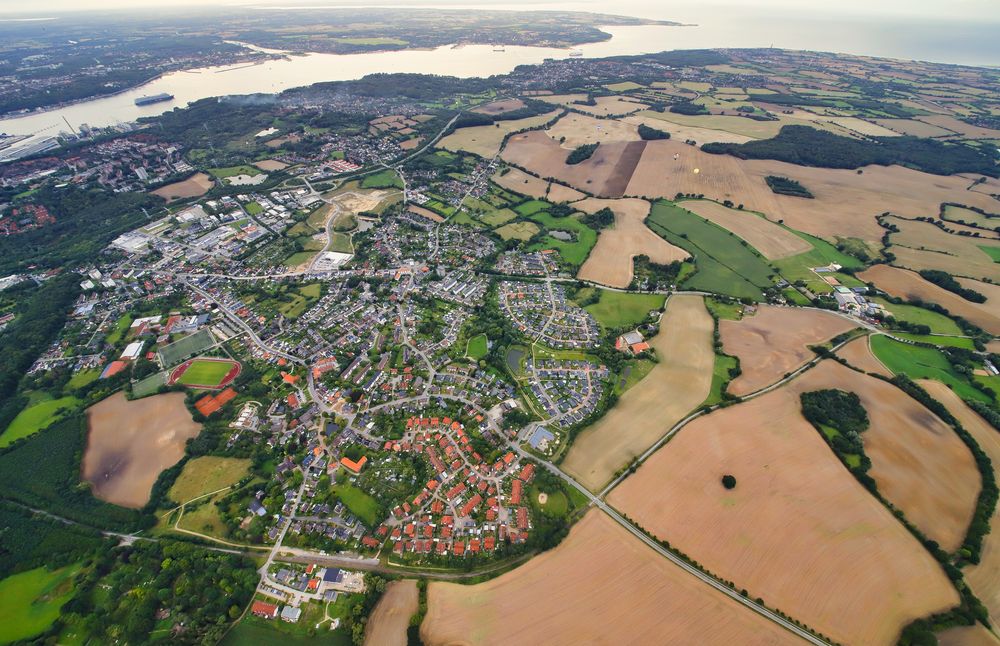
<point>913,128</point>
<point>517,231</point>
<point>194,186</point>
<point>956,213</point>
<point>910,286</point>
<point>620,309</point>
<point>797,530</point>
<point>30,601</point>
<point>576,129</point>
<point>518,181</point>
<point>920,465</point>
<point>130,442</point>
<point>605,174</point>
<point>485,141</point>
<point>684,132</point>
<point>967,130</point>
<point>922,245</point>
<point>626,594</point>
<point>499,107</point>
<point>858,353</point>
<point>611,261</point>
<point>822,254</point>
<point>984,577</point>
<point>725,265</point>
<point>938,323</point>
<point>205,474</point>
<point>771,240</point>
<point>976,635</point>
<point>921,363</point>
<point>675,386</point>
<point>850,201</point>
<point>775,341</point>
<point>741,126</point>
<point>605,105</point>
<point>388,622</point>
<point>36,416</point>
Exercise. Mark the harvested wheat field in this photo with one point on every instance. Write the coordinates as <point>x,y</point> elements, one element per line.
<point>611,260</point>
<point>772,241</point>
<point>605,174</point>
<point>559,193</point>
<point>977,635</point>
<point>575,130</point>
<point>775,341</point>
<point>520,182</point>
<point>194,186</point>
<point>913,128</point>
<point>687,133</point>
<point>966,130</point>
<point>984,577</point>
<point>922,245</point>
<point>606,106</point>
<point>625,594</point>
<point>270,164</point>
<point>845,203</point>
<point>920,465</point>
<point>499,107</point>
<point>673,388</point>
<point>909,285</point>
<point>485,141</point>
<point>859,354</point>
<point>391,617</point>
<point>798,529</point>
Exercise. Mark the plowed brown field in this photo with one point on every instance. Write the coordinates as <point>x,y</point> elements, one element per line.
<point>540,154</point>
<point>673,388</point>
<point>909,285</point>
<point>798,529</point>
<point>601,585</point>
<point>579,129</point>
<point>775,341</point>
<point>611,260</point>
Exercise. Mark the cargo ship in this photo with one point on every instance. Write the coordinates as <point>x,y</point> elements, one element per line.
<point>156,98</point>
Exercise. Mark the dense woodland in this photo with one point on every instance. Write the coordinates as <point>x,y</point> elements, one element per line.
<point>945,280</point>
<point>806,146</point>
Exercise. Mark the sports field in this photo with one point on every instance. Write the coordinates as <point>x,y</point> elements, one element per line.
<point>205,373</point>
<point>185,347</point>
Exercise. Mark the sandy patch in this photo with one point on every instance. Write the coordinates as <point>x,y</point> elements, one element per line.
<point>762,234</point>
<point>388,622</point>
<point>910,286</point>
<point>859,354</point>
<point>798,530</point>
<point>625,594</point>
<point>130,442</point>
<point>673,388</point>
<point>194,186</point>
<point>775,341</point>
<point>611,260</point>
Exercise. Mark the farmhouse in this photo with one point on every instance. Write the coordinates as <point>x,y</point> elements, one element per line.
<point>264,609</point>
<point>632,342</point>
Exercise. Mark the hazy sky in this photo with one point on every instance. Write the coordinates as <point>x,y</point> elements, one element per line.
<point>981,9</point>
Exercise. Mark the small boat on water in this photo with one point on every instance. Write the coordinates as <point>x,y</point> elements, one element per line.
<point>576,53</point>
<point>499,48</point>
<point>155,98</point>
